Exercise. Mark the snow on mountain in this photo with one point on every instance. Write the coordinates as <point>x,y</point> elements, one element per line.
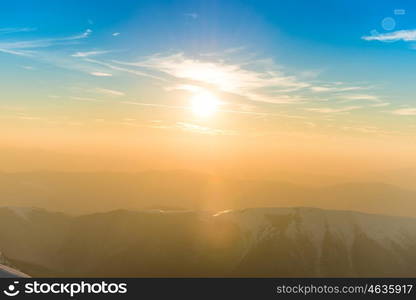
<point>390,233</point>
<point>23,212</point>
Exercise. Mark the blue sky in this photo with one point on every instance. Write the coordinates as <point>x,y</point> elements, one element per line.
<point>316,60</point>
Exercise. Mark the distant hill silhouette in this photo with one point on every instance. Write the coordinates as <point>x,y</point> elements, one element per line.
<point>176,190</point>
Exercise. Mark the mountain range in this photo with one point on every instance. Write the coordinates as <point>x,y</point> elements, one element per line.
<point>80,193</point>
<point>252,242</point>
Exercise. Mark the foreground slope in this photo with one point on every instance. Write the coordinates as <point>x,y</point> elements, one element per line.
<point>8,272</point>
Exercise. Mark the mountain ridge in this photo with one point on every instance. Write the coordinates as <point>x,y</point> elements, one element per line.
<point>80,193</point>
<point>251,242</point>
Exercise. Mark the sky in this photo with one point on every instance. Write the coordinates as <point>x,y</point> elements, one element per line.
<point>323,86</point>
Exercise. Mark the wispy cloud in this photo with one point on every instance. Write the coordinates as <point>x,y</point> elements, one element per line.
<point>101,74</point>
<point>20,47</point>
<point>109,92</point>
<point>154,105</point>
<point>41,50</point>
<point>360,97</point>
<point>115,33</point>
<point>88,53</point>
<point>403,35</point>
<point>228,111</point>
<point>320,88</point>
<point>368,130</point>
<point>16,30</point>
<point>28,68</point>
<point>239,79</point>
<point>84,99</point>
<point>186,87</point>
<point>16,52</point>
<point>29,118</point>
<point>183,126</point>
<point>405,112</point>
<point>203,129</point>
<point>382,104</point>
<point>83,35</point>
<point>111,66</point>
<point>328,110</point>
<point>335,88</point>
<point>192,15</point>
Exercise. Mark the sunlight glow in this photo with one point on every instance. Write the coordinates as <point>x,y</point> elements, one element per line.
<point>204,104</point>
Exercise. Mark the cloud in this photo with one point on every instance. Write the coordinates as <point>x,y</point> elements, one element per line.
<point>16,30</point>
<point>84,99</point>
<point>154,105</point>
<point>328,110</point>
<point>18,47</point>
<point>382,104</point>
<point>17,52</point>
<point>335,88</point>
<point>28,68</point>
<point>203,129</point>
<point>258,85</point>
<point>88,53</point>
<point>13,108</point>
<point>192,15</point>
<point>240,111</point>
<point>405,112</point>
<point>320,88</point>
<point>360,97</point>
<point>38,50</point>
<point>259,80</point>
<point>83,35</point>
<point>367,130</point>
<point>403,35</point>
<point>122,69</point>
<point>101,74</point>
<point>29,118</point>
<point>187,87</point>
<point>115,33</point>
<point>109,92</point>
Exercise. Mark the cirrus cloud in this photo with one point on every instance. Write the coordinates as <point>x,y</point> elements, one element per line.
<point>109,92</point>
<point>264,86</point>
<point>101,74</point>
<point>403,35</point>
<point>328,110</point>
<point>405,112</point>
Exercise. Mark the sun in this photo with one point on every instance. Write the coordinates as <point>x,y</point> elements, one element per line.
<point>204,104</point>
